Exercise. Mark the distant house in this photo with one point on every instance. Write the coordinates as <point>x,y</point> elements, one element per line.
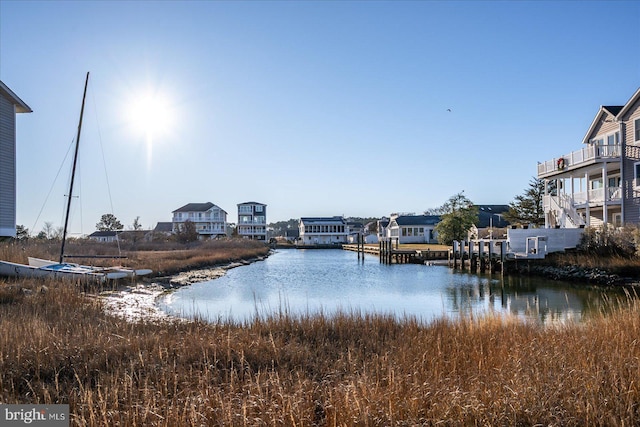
<point>104,236</point>
<point>413,228</point>
<point>252,221</point>
<point>492,216</point>
<point>10,105</point>
<point>164,228</point>
<point>323,230</point>
<point>355,229</point>
<point>210,220</point>
<point>383,224</point>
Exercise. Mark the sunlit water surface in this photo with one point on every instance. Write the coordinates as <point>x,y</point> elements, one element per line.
<point>299,282</point>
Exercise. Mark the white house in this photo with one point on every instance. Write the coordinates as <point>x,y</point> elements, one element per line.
<point>104,236</point>
<point>599,183</point>
<point>10,105</point>
<point>323,230</point>
<point>412,228</point>
<point>209,220</point>
<point>252,220</point>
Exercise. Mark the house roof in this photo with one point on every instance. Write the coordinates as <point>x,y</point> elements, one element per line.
<point>492,214</point>
<point>198,207</point>
<point>21,107</point>
<point>309,220</point>
<point>630,103</point>
<point>417,219</point>
<point>602,112</point>
<point>164,227</point>
<point>252,203</point>
<point>109,233</point>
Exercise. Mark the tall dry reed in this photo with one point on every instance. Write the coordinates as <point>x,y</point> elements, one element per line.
<point>56,346</point>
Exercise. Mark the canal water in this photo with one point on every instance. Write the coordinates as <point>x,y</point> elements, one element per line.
<point>299,282</point>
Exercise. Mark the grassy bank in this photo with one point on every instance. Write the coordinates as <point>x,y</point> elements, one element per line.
<point>163,258</point>
<point>58,347</point>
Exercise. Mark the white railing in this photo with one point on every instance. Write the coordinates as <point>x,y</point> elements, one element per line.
<point>575,158</point>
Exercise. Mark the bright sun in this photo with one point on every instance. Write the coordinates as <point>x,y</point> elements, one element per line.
<point>150,114</point>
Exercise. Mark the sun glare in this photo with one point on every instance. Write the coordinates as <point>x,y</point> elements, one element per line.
<point>152,116</point>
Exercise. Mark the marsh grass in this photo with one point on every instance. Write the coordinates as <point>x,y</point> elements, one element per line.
<point>57,346</point>
<point>163,258</point>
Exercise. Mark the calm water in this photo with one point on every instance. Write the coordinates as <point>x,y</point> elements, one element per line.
<point>310,281</point>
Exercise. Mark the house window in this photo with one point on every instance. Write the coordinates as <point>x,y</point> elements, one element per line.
<point>636,130</point>
<point>636,174</point>
<point>259,208</point>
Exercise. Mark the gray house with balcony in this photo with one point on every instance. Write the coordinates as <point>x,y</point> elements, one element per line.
<point>599,183</point>
<point>252,220</point>
<point>10,105</point>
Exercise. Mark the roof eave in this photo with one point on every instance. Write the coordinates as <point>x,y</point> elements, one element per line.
<point>21,106</point>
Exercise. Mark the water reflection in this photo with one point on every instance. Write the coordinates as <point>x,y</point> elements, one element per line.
<point>310,281</point>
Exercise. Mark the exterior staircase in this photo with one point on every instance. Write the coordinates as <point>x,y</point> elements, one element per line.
<point>565,214</point>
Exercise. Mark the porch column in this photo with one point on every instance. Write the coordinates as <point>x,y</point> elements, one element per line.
<point>605,186</point>
<point>587,196</point>
<point>546,213</point>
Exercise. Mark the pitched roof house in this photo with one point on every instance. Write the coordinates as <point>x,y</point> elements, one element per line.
<point>412,228</point>
<point>10,105</point>
<point>600,182</point>
<point>210,220</point>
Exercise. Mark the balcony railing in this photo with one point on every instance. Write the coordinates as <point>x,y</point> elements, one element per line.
<point>597,196</point>
<point>579,157</point>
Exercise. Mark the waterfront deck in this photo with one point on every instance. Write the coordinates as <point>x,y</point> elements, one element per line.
<point>403,254</point>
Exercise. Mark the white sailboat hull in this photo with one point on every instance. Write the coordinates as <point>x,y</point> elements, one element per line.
<point>11,269</point>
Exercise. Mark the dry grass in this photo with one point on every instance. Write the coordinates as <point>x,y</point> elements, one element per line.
<point>163,259</point>
<point>58,347</point>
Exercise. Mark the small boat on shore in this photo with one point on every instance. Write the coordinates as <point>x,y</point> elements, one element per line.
<point>42,268</point>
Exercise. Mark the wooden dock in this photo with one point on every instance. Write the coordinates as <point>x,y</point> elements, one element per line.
<point>479,256</point>
<point>389,252</point>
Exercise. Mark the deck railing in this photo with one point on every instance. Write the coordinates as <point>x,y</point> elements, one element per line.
<point>578,157</point>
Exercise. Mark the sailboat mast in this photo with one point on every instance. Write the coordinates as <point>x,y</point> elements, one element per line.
<point>73,171</point>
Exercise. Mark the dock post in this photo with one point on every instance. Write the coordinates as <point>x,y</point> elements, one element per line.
<point>503,251</point>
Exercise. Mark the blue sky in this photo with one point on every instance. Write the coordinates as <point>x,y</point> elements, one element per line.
<point>315,108</point>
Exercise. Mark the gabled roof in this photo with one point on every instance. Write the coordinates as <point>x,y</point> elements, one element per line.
<point>629,104</point>
<point>198,207</point>
<point>164,227</point>
<point>417,219</point>
<point>602,112</point>
<point>492,215</point>
<point>21,107</point>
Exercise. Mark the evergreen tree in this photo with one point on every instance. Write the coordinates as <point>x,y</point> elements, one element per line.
<point>109,222</point>
<point>459,214</point>
<point>527,208</point>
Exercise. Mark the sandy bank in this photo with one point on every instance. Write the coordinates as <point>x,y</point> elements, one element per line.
<point>138,301</point>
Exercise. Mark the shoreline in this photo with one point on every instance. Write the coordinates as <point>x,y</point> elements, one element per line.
<point>139,301</point>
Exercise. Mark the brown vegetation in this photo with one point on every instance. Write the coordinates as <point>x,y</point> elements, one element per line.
<point>56,346</point>
<point>163,258</point>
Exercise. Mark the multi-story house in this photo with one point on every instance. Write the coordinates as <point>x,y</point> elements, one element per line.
<point>10,105</point>
<point>252,220</point>
<point>599,183</point>
<point>323,230</point>
<point>210,220</point>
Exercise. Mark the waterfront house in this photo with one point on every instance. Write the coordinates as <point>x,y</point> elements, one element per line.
<point>252,221</point>
<point>323,230</point>
<point>599,183</point>
<point>10,105</point>
<point>412,228</point>
<point>210,220</point>
<point>104,236</point>
<point>491,223</point>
